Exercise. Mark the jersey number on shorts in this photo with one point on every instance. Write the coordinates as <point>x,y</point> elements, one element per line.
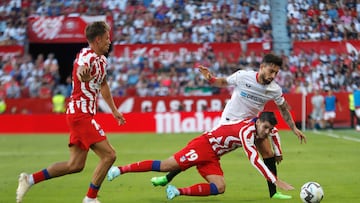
<point>191,155</point>
<point>97,127</point>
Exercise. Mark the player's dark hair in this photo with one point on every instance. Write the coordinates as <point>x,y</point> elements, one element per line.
<point>95,29</point>
<point>272,59</point>
<point>268,116</point>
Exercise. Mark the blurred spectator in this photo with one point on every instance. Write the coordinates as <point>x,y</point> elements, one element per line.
<point>352,113</point>
<point>58,102</point>
<point>331,106</point>
<point>2,105</point>
<point>317,113</point>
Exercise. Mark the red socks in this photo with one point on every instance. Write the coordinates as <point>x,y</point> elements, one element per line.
<point>41,176</point>
<point>93,191</point>
<point>141,166</point>
<point>201,189</point>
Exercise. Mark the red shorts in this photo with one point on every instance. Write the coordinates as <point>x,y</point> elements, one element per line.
<point>84,131</point>
<point>198,152</point>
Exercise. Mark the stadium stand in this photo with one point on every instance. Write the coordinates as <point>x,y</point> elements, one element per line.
<point>186,21</point>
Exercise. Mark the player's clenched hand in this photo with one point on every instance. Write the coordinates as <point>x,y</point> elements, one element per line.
<point>283,185</point>
<point>84,74</point>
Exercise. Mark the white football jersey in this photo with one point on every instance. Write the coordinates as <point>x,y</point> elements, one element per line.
<point>249,96</point>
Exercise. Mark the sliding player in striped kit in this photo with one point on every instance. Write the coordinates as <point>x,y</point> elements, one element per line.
<point>253,89</point>
<point>89,79</point>
<point>205,151</point>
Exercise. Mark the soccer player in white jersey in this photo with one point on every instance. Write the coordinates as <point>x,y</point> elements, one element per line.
<point>253,89</point>
<point>89,79</point>
<point>205,151</point>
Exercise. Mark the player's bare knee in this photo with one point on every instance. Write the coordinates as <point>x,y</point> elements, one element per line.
<point>111,157</point>
<point>220,188</point>
<point>76,168</point>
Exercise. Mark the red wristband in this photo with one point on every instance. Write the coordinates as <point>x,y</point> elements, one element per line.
<point>212,80</point>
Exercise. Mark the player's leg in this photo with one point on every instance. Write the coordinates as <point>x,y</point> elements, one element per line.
<point>107,156</point>
<point>183,159</point>
<point>144,166</point>
<point>352,118</point>
<point>164,180</point>
<point>212,173</point>
<point>75,164</point>
<point>332,119</point>
<point>357,113</point>
<point>265,149</point>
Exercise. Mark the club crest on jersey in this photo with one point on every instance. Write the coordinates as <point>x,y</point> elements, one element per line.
<point>101,132</point>
<point>183,158</point>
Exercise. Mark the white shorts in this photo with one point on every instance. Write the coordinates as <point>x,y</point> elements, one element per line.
<point>329,115</point>
<point>317,114</point>
<point>357,112</point>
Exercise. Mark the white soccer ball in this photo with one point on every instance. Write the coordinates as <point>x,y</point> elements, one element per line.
<point>311,192</point>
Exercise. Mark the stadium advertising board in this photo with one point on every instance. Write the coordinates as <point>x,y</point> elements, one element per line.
<point>161,115</point>
<point>61,29</point>
<point>11,51</point>
<point>168,122</point>
<point>231,51</point>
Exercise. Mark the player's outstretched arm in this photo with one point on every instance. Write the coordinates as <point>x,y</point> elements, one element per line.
<point>283,185</point>
<point>218,82</point>
<point>285,113</point>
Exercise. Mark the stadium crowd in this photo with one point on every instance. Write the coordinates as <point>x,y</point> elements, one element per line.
<point>186,21</point>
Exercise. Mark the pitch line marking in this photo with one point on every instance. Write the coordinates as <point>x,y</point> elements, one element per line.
<point>333,135</point>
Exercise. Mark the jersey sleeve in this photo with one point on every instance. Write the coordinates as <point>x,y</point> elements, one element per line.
<point>234,78</point>
<point>247,138</point>
<point>275,141</point>
<point>278,97</point>
<point>85,58</point>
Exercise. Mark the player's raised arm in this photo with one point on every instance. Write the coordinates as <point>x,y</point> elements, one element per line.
<point>218,82</point>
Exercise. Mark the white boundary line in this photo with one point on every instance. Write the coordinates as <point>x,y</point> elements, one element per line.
<point>333,135</point>
<point>351,138</point>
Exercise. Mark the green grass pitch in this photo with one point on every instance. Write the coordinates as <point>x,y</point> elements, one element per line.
<point>332,159</point>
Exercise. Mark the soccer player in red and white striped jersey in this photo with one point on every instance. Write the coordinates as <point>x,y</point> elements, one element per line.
<point>205,151</point>
<point>89,80</point>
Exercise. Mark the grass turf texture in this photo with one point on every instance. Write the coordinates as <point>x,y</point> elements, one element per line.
<point>333,161</point>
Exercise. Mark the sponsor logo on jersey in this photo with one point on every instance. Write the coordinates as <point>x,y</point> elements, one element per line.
<point>252,97</point>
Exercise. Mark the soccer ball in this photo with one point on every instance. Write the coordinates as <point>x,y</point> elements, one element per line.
<point>311,192</point>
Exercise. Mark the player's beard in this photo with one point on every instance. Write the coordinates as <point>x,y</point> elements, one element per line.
<point>266,81</point>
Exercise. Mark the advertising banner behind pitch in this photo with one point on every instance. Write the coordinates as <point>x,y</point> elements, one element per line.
<point>11,51</point>
<point>61,29</point>
<point>169,122</point>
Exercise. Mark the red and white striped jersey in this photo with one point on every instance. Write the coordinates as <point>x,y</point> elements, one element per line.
<point>84,94</point>
<point>229,137</point>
